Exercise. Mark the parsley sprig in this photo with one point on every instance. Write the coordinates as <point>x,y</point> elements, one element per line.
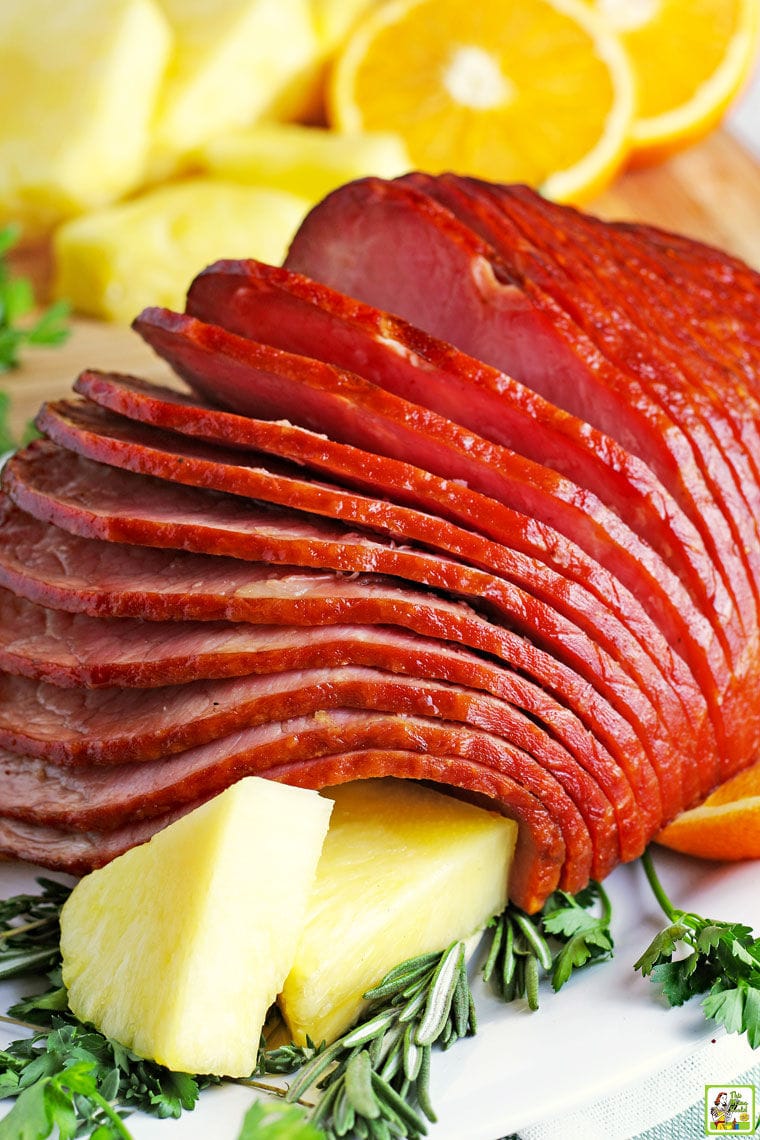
<point>718,959</point>
<point>17,304</point>
<point>72,1077</point>
<point>272,1120</point>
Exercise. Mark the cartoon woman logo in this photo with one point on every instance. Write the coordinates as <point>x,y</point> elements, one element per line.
<point>724,1118</point>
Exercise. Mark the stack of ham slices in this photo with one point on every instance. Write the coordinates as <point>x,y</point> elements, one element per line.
<point>505,539</point>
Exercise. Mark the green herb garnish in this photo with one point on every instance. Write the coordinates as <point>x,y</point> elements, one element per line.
<point>72,1077</point>
<point>374,1079</point>
<point>47,329</point>
<point>66,1075</point>
<point>29,930</point>
<point>582,937</point>
<point>719,959</point>
<point>271,1120</point>
<point>563,937</point>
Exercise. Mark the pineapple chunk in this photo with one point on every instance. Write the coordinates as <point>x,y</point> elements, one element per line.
<point>79,82</point>
<point>177,948</point>
<point>113,263</point>
<point>334,20</point>
<point>234,61</point>
<point>308,161</point>
<point>404,870</point>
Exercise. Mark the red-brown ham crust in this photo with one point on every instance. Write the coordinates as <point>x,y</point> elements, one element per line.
<point>52,567</point>
<point>121,647</point>
<point>327,749</point>
<point>538,855</point>
<point>691,447</point>
<point>290,540</point>
<point>492,313</point>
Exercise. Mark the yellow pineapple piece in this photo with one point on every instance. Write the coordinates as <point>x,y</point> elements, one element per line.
<point>334,19</point>
<point>404,870</point>
<point>115,262</point>
<point>234,61</point>
<point>79,83</point>
<point>308,161</point>
<point>177,948</point>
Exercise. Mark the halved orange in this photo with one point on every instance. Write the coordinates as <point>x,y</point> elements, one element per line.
<point>535,91</point>
<point>690,59</point>
<point>725,826</point>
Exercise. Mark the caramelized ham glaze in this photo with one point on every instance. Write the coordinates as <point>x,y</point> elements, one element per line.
<point>465,492</point>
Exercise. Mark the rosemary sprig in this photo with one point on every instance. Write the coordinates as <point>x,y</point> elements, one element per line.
<point>29,930</point>
<point>721,961</point>
<point>374,1080</point>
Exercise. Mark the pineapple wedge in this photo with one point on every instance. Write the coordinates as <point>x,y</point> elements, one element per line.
<point>177,948</point>
<point>113,263</point>
<point>234,61</point>
<point>334,19</point>
<point>404,870</point>
<point>308,161</point>
<point>79,83</point>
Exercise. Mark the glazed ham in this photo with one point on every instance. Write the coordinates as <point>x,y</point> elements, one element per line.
<point>452,496</point>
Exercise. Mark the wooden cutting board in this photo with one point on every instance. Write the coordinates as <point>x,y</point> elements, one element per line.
<point>711,192</point>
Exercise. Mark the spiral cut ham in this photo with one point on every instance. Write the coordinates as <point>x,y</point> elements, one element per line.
<point>468,491</point>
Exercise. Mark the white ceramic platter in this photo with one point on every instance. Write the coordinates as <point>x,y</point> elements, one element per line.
<point>607,1027</point>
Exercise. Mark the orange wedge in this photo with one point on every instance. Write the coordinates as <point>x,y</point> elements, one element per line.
<point>535,91</point>
<point>690,59</point>
<point>725,826</point>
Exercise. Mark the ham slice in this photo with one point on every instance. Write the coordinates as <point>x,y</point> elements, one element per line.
<point>345,744</point>
<point>539,854</point>
<point>176,517</point>
<point>73,649</point>
<point>500,314</point>
<point>82,729</point>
